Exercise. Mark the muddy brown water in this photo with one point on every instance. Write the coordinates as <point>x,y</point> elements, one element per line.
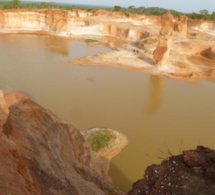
<point>159,116</point>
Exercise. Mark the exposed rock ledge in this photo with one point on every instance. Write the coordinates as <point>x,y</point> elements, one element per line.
<point>191,173</point>
<point>184,49</point>
<point>40,154</point>
<point>176,50</point>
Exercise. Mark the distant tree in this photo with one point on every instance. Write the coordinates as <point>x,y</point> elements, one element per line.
<point>194,15</point>
<point>205,14</point>
<point>117,8</point>
<point>213,16</point>
<point>131,7</point>
<point>44,5</point>
<point>5,5</point>
<point>15,3</point>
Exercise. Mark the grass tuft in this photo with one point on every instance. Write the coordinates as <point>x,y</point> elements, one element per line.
<point>100,139</point>
<point>91,41</point>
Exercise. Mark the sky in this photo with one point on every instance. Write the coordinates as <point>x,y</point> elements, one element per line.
<point>187,6</point>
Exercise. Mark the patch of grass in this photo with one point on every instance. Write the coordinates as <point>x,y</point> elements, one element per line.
<point>91,41</point>
<point>100,139</point>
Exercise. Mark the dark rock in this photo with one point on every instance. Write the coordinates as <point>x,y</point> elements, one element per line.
<point>208,53</point>
<point>187,174</point>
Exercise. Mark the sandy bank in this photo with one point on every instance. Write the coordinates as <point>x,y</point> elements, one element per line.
<point>133,38</point>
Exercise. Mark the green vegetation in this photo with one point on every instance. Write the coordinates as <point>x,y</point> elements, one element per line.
<point>117,8</point>
<point>17,4</point>
<point>91,41</point>
<point>100,139</point>
<point>143,10</point>
<point>203,14</point>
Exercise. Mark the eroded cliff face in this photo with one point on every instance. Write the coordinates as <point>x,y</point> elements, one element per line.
<point>110,24</point>
<point>99,22</point>
<point>202,25</point>
<point>49,21</point>
<point>75,23</point>
<point>40,154</point>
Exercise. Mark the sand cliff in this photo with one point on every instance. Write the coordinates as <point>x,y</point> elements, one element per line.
<point>133,37</point>
<point>75,23</point>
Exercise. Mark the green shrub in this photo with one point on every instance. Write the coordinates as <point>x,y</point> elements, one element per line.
<point>100,139</point>
<point>91,41</point>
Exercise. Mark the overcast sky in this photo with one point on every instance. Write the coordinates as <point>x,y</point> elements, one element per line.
<point>179,5</point>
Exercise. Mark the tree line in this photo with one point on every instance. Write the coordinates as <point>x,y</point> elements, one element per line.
<point>203,14</point>
<point>17,4</point>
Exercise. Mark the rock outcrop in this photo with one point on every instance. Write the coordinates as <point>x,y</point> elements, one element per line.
<point>161,53</point>
<point>181,25</point>
<point>208,53</point>
<point>111,142</point>
<point>193,172</point>
<point>105,144</point>
<point>40,154</point>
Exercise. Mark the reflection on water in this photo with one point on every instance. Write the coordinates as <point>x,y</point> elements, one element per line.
<point>156,93</point>
<point>120,176</point>
<point>58,45</point>
<point>155,120</point>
